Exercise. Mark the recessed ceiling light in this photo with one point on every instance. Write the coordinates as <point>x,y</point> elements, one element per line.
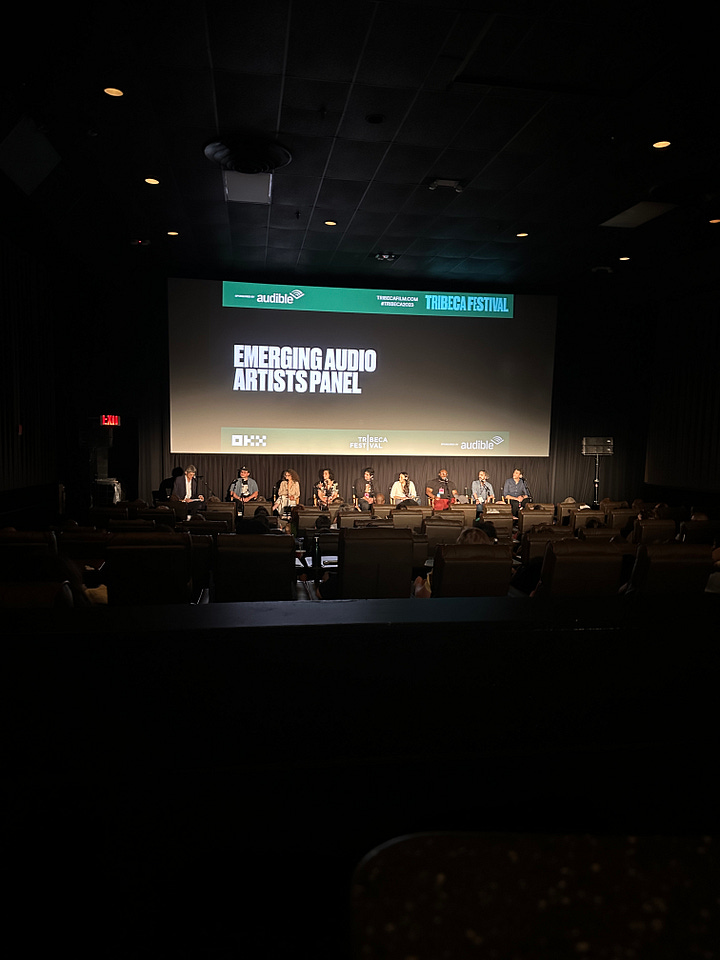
<point>715,221</point>
<point>152,180</point>
<point>173,233</point>
<point>661,144</point>
<point>521,234</point>
<point>331,223</point>
<point>623,258</point>
<point>113,92</point>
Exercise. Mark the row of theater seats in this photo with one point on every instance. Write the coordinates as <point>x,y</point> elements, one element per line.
<point>372,562</point>
<point>613,516</point>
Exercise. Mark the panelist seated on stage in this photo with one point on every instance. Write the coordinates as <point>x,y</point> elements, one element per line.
<point>185,488</point>
<point>327,493</point>
<point>365,489</point>
<point>482,491</point>
<point>288,493</point>
<point>403,489</point>
<point>441,491</point>
<point>244,489</point>
<point>515,491</point>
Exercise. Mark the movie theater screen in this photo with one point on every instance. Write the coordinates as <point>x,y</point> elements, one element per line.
<point>326,370</point>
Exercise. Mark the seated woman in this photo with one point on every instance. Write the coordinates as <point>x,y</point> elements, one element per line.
<point>288,493</point>
<point>403,489</point>
<point>326,490</point>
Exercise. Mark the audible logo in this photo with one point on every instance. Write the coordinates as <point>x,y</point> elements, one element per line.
<point>481,444</point>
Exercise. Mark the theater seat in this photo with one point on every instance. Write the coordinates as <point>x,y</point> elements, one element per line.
<point>534,541</point>
<point>441,530</point>
<point>226,512</point>
<point>532,518</point>
<point>44,594</point>
<point>565,509</point>
<point>493,510</point>
<point>148,568</point>
<point>608,506</point>
<point>410,519</point>
<point>472,570</point>
<point>597,533</point>
<point>467,511</point>
<point>581,518</point>
<point>700,531</point>
<point>577,568</point>
<point>503,527</point>
<point>249,509</point>
<point>29,556</point>
<point>208,527</point>
<point>306,520</point>
<point>622,517</point>
<point>654,531</point>
<point>254,567</point>
<point>669,569</point>
<point>375,562</point>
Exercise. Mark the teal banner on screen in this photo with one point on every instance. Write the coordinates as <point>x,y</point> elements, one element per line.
<point>294,440</point>
<point>353,300</point>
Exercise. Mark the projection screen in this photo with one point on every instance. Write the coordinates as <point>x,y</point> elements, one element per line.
<point>327,370</point>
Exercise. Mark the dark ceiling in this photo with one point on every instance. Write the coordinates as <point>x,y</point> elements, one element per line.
<point>545,112</point>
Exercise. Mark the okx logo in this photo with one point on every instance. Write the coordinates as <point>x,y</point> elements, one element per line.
<point>248,440</point>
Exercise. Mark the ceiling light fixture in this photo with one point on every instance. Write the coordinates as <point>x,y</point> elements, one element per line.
<point>152,181</point>
<point>661,144</point>
<point>386,256</point>
<point>454,184</point>
<point>331,223</point>
<point>173,233</point>
<point>521,234</point>
<point>623,258</point>
<point>248,154</point>
<point>113,92</point>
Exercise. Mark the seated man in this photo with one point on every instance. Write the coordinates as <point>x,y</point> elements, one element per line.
<point>515,491</point>
<point>365,489</point>
<point>244,489</point>
<point>441,491</point>
<point>482,491</point>
<point>185,488</point>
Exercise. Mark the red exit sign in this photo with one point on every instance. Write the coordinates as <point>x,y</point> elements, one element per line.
<point>110,420</point>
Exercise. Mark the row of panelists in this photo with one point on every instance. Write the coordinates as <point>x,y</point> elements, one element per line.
<point>441,491</point>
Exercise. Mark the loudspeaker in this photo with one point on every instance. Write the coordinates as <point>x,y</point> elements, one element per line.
<point>597,446</point>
